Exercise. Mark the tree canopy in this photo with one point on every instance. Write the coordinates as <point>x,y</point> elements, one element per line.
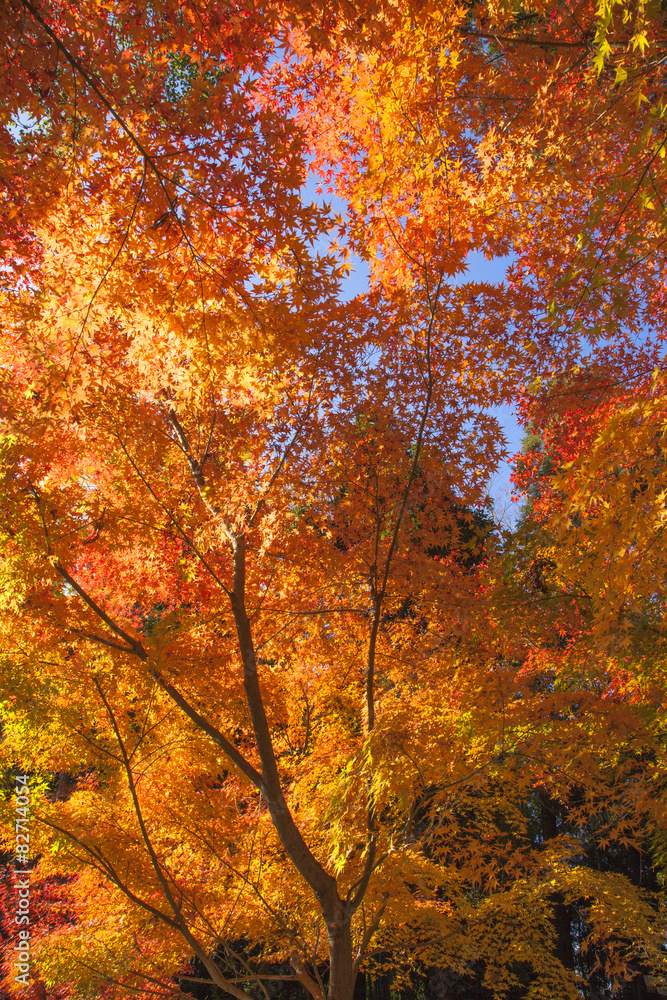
<point>293,708</point>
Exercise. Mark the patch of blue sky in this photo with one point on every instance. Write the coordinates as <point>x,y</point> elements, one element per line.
<point>357,280</point>
<point>493,271</point>
<point>478,269</point>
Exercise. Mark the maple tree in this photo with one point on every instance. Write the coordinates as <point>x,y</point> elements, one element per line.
<point>603,499</point>
<point>249,598</point>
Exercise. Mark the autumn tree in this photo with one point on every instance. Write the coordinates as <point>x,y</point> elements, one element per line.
<point>223,482</point>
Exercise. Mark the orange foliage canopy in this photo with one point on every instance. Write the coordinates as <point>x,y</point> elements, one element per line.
<point>250,604</point>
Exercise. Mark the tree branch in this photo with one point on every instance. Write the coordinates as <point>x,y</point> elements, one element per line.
<point>525,40</point>
<point>133,645</point>
<point>304,978</point>
<point>179,920</point>
<point>135,648</point>
<point>370,931</point>
<point>322,884</point>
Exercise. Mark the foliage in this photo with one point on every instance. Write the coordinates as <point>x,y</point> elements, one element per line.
<point>308,702</point>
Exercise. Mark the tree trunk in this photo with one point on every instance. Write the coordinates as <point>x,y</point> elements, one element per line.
<point>562,913</point>
<point>381,987</point>
<point>342,976</point>
<point>360,987</point>
<point>563,922</point>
